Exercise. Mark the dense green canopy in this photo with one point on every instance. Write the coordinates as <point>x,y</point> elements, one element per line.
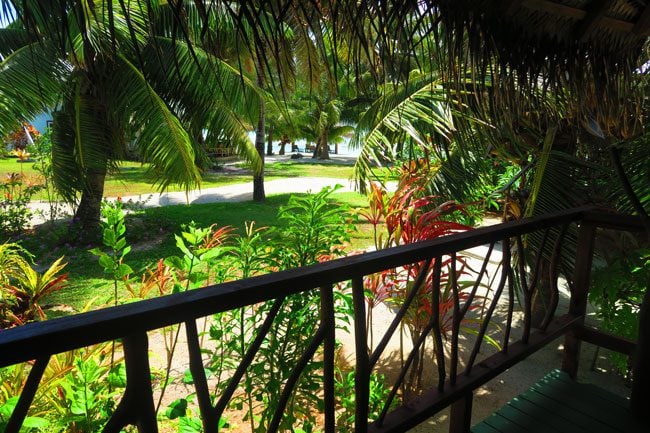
<point>527,67</point>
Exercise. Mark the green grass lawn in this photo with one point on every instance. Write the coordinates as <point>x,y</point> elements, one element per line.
<point>133,178</point>
<point>12,165</point>
<point>308,169</point>
<point>151,233</point>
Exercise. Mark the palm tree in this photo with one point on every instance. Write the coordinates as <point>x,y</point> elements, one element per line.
<point>113,83</point>
<point>407,116</point>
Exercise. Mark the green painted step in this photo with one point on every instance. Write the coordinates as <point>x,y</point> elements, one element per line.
<point>556,404</point>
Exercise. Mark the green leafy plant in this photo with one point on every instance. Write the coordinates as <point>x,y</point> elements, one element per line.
<point>23,289</point>
<point>113,238</point>
<point>16,190</point>
<point>344,389</point>
<point>188,421</point>
<point>200,247</point>
<point>32,287</point>
<point>31,423</point>
<point>617,290</point>
<point>314,230</point>
<point>89,391</point>
<point>69,391</point>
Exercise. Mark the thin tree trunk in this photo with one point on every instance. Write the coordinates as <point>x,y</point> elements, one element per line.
<point>269,143</point>
<point>258,179</point>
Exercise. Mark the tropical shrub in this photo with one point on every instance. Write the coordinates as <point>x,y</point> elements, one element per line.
<point>22,289</point>
<point>408,216</point>
<point>88,393</point>
<point>16,190</point>
<point>42,151</point>
<point>344,389</point>
<point>315,229</point>
<point>76,394</point>
<point>617,290</point>
<point>114,239</point>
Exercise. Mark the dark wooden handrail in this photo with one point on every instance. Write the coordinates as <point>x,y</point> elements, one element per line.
<point>59,335</point>
<point>131,321</point>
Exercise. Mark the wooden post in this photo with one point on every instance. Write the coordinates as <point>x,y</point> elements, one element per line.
<point>136,406</point>
<point>329,347</point>
<point>460,419</point>
<point>578,305</point>
<point>209,416</point>
<point>640,395</point>
<point>362,370</point>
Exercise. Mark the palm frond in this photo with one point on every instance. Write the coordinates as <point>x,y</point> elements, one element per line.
<point>159,134</point>
<point>210,96</point>
<point>67,177</point>
<point>84,140</point>
<point>13,39</point>
<point>635,161</point>
<point>31,80</point>
<point>418,110</point>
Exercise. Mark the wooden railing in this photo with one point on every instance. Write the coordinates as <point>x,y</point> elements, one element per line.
<point>522,259</point>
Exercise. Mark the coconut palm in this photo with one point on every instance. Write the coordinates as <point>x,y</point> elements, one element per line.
<point>114,83</point>
<point>417,113</point>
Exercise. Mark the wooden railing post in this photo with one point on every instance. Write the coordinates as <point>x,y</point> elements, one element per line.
<point>460,419</point>
<point>329,347</point>
<point>578,304</point>
<point>136,406</point>
<point>362,369</point>
<point>209,416</point>
<point>17,417</point>
<point>640,395</point>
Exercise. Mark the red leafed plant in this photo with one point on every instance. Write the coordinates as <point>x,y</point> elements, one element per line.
<point>24,290</point>
<point>19,136</point>
<point>407,216</point>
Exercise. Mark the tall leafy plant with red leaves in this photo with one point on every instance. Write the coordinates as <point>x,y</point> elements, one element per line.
<point>407,216</point>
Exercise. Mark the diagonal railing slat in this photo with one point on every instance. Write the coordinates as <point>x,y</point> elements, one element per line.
<point>422,275</point>
<point>208,415</point>
<point>27,396</point>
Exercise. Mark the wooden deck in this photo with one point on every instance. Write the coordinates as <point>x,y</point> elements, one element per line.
<point>558,404</point>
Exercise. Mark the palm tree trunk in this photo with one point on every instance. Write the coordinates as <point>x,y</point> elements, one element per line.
<point>258,179</point>
<point>88,213</point>
<point>323,149</point>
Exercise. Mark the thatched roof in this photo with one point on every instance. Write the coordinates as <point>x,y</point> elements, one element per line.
<point>613,26</point>
<point>571,39</point>
<point>563,41</point>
